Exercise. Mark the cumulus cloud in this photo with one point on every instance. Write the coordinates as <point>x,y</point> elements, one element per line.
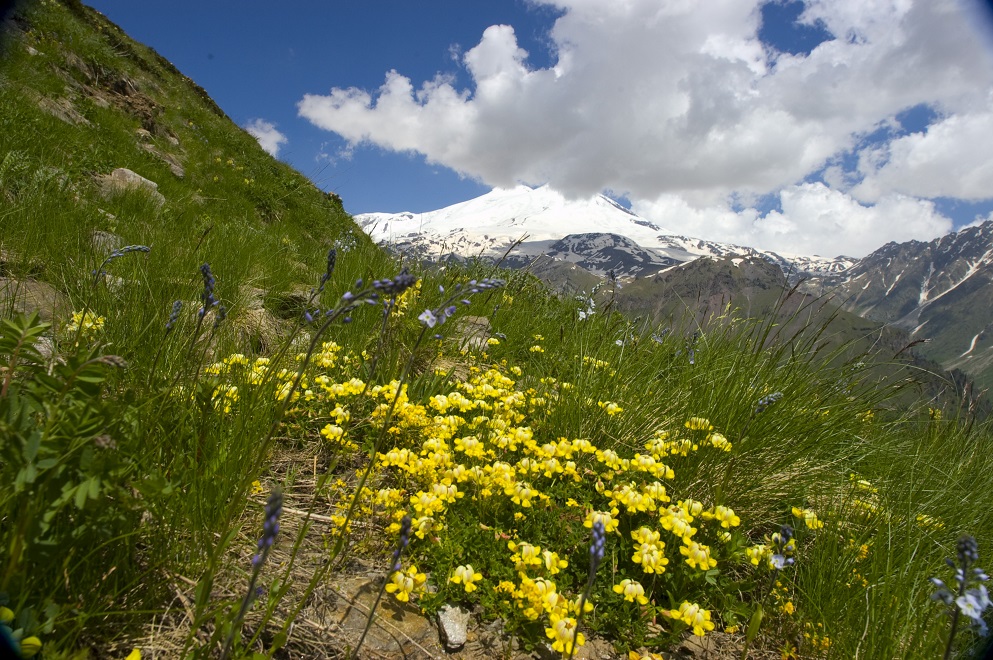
<point>682,100</point>
<point>265,132</point>
<point>814,220</point>
<point>953,158</point>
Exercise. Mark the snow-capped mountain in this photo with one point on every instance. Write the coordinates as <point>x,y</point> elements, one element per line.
<point>941,291</point>
<point>597,234</point>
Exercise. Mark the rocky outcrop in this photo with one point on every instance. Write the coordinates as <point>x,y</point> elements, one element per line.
<point>123,179</point>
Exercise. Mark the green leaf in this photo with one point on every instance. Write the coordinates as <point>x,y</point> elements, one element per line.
<point>25,476</point>
<point>33,446</point>
<point>80,499</point>
<point>93,488</point>
<point>753,625</point>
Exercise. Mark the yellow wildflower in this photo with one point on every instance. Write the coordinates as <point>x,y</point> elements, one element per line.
<point>699,424</point>
<point>610,407</point>
<point>605,517</point>
<point>562,632</point>
<point>724,515</point>
<point>466,576</point>
<point>30,647</point>
<point>694,616</point>
<point>718,441</point>
<point>552,562</point>
<point>404,583</point>
<point>633,591</point>
<point>756,553</point>
<point>698,556</point>
<point>809,517</point>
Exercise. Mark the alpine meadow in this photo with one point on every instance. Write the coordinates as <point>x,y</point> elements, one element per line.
<point>233,426</point>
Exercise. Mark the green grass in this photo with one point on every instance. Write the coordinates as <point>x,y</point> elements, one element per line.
<point>132,479</point>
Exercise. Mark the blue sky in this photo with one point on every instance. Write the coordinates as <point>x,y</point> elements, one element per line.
<point>257,63</point>
<point>825,126</point>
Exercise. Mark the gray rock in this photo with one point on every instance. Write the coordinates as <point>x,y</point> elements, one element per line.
<point>26,296</point>
<point>453,625</point>
<point>174,165</point>
<point>473,331</point>
<point>63,109</point>
<point>123,179</point>
<point>46,347</point>
<point>104,241</point>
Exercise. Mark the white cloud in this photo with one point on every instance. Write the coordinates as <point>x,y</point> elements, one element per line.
<point>954,158</point>
<point>265,132</point>
<point>659,99</point>
<point>814,220</point>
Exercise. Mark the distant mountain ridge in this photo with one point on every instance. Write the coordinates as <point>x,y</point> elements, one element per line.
<point>598,234</point>
<point>940,292</point>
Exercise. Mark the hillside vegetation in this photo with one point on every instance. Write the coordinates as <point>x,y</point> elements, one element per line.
<point>233,427</point>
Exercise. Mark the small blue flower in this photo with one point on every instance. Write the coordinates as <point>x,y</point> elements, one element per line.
<point>598,545</point>
<point>767,401</point>
<point>208,290</point>
<point>119,252</point>
<point>332,258</point>
<point>973,598</point>
<point>404,540</point>
<point>270,528</point>
<point>177,307</point>
<point>222,313</point>
<point>427,318</point>
<point>394,287</point>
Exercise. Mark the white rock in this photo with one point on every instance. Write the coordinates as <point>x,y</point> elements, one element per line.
<point>453,624</point>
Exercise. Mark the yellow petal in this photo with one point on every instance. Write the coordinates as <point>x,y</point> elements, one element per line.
<point>30,647</point>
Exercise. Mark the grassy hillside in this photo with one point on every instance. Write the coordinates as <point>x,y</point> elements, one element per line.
<point>232,427</point>
<point>704,293</point>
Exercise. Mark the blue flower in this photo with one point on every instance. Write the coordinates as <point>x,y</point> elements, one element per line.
<point>270,528</point>
<point>597,546</point>
<point>208,289</point>
<point>404,540</point>
<point>177,307</point>
<point>332,258</point>
<point>767,401</point>
<point>427,318</point>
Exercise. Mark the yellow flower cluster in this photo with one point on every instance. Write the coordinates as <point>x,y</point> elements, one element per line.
<point>809,517</point>
<point>477,442</point>
<point>694,616</point>
<point>407,298</point>
<point>816,637</point>
<point>467,576</point>
<point>633,591</point>
<point>403,584</point>
<point>610,407</point>
<point>85,325</point>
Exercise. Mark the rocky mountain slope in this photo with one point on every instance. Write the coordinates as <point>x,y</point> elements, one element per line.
<point>941,292</point>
